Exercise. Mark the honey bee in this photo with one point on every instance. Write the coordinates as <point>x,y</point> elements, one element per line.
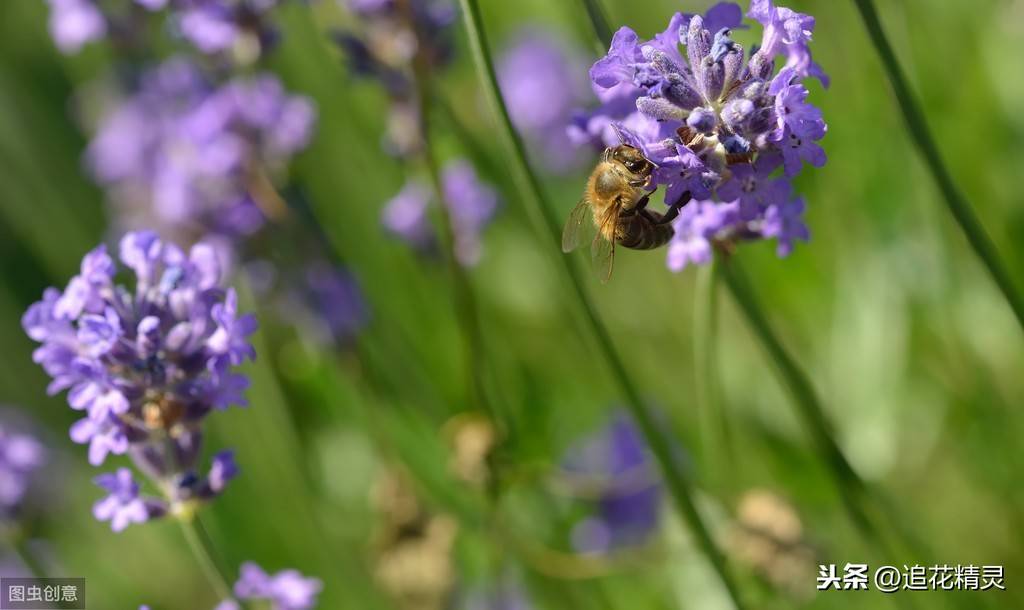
<point>616,200</point>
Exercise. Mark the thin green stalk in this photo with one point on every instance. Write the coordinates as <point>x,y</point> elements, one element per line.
<point>851,487</point>
<point>205,553</point>
<point>465,299</point>
<point>717,443</point>
<point>955,200</point>
<point>599,22</point>
<point>21,548</point>
<point>676,480</point>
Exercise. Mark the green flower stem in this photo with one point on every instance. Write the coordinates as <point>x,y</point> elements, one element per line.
<point>599,22</point>
<point>956,202</point>
<point>717,445</point>
<point>19,542</point>
<point>466,311</point>
<point>851,487</point>
<point>205,553</point>
<point>676,480</point>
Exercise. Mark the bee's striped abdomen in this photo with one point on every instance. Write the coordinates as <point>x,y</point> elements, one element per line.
<point>637,232</point>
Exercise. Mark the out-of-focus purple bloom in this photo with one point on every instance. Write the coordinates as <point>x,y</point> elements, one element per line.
<point>540,83</point>
<point>242,28</point>
<point>471,206</point>
<point>21,457</point>
<point>335,299</point>
<point>324,300</point>
<point>405,215</point>
<point>717,124</point>
<point>286,590</point>
<point>146,365</point>
<point>182,153</point>
<point>623,480</point>
<point>73,23</point>
<point>392,38</point>
<point>124,506</point>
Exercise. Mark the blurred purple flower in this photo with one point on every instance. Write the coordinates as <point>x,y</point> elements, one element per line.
<point>539,80</point>
<point>335,300</point>
<point>623,481</point>
<point>390,38</point>
<point>21,458</point>
<point>286,590</point>
<point>471,204</point>
<point>242,28</point>
<point>146,366</point>
<point>405,215</point>
<point>718,124</point>
<point>181,153</point>
<point>73,23</point>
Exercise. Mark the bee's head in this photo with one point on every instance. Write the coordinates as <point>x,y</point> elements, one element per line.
<point>631,159</point>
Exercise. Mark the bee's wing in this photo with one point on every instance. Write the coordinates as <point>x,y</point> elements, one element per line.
<point>576,226</point>
<point>602,251</point>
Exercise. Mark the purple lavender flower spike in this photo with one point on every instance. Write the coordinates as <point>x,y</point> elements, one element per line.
<point>21,458</point>
<point>471,205</point>
<point>628,490</point>
<point>123,506</point>
<point>391,38</point>
<point>179,153</point>
<point>718,125</point>
<point>286,590</point>
<point>335,298</point>
<point>538,77</point>
<point>239,29</point>
<point>147,366</point>
<point>73,23</point>
<point>405,215</point>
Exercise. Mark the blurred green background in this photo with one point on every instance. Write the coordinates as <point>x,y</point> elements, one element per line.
<point>916,356</point>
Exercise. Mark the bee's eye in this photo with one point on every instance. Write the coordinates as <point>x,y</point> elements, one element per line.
<point>633,166</point>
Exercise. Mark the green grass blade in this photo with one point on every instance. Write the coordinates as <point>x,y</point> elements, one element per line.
<point>955,200</point>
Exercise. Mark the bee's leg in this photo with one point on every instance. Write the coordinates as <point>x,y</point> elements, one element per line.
<point>643,201</point>
<point>673,210</point>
